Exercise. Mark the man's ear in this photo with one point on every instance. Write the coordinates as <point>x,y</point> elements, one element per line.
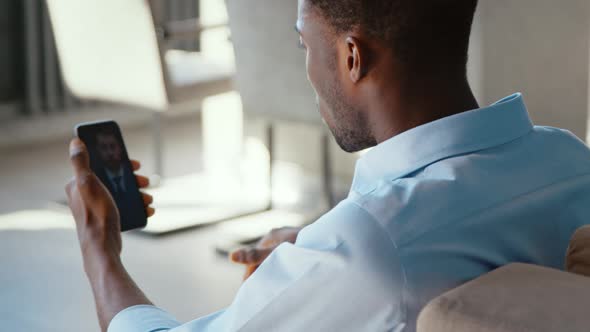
<point>357,59</point>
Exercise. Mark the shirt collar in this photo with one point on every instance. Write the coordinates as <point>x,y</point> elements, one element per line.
<point>479,129</point>
<point>112,175</point>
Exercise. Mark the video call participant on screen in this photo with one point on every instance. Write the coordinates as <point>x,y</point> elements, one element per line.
<point>117,178</point>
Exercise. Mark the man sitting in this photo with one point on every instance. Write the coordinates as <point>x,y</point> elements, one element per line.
<point>449,192</point>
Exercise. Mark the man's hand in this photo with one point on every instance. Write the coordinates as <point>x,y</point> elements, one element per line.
<point>93,208</point>
<point>253,257</point>
<point>97,222</point>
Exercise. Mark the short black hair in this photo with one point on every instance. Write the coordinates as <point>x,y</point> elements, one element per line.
<point>423,34</point>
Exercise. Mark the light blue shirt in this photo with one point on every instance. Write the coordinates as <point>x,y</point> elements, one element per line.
<point>429,209</point>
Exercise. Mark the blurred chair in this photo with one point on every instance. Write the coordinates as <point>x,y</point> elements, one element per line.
<point>272,81</point>
<point>116,51</point>
<point>518,298</point>
<point>271,73</point>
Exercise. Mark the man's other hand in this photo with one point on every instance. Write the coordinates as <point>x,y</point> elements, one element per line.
<point>254,256</point>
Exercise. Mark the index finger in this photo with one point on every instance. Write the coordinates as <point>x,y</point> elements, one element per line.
<point>79,157</point>
<point>250,256</point>
<point>250,269</point>
<point>135,164</point>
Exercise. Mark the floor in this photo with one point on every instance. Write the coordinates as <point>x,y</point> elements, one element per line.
<point>42,285</point>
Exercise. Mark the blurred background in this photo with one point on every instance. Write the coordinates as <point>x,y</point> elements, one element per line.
<point>212,99</point>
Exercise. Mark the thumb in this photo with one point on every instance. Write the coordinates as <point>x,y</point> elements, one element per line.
<point>79,158</point>
<point>250,256</point>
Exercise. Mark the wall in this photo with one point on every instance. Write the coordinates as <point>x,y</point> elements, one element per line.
<point>538,47</point>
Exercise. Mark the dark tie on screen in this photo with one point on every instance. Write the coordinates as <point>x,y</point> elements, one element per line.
<point>117,184</point>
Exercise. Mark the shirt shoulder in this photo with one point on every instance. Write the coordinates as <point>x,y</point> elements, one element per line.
<point>456,187</point>
<point>350,238</point>
<point>343,249</point>
<point>343,258</point>
<point>349,222</point>
<point>564,142</point>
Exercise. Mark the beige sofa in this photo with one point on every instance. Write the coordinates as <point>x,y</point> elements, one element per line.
<point>519,298</point>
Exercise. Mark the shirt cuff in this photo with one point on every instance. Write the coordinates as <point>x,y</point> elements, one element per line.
<point>142,318</point>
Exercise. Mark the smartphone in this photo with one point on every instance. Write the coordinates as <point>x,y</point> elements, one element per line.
<point>110,163</point>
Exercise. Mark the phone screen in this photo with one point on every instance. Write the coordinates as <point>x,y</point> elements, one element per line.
<point>110,163</point>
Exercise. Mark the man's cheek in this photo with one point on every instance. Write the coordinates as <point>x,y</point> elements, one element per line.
<point>312,71</point>
<point>325,112</point>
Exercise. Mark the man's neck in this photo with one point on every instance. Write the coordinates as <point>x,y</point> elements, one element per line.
<point>395,114</point>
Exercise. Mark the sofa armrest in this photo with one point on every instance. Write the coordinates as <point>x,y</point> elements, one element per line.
<point>578,253</point>
<point>514,298</point>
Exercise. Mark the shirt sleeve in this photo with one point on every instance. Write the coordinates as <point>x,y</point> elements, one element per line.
<point>343,273</point>
<point>142,318</point>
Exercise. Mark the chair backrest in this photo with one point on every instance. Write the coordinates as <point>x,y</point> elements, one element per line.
<point>108,50</point>
<point>271,75</point>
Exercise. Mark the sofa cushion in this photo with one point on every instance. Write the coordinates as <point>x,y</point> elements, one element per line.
<point>578,254</point>
<point>514,298</point>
